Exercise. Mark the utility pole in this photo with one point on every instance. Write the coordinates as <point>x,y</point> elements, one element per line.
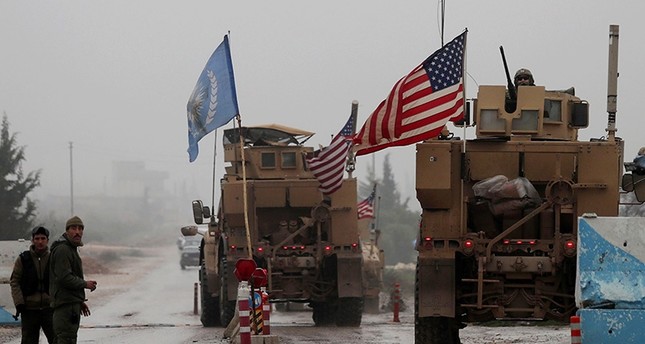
<point>71,178</point>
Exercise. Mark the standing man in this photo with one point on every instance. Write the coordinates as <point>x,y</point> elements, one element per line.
<point>67,287</point>
<point>30,288</point>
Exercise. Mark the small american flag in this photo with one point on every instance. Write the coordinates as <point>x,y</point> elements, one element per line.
<point>365,207</point>
<point>420,104</point>
<point>328,165</point>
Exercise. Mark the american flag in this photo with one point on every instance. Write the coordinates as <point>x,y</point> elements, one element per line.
<point>365,207</point>
<point>420,104</point>
<point>328,165</point>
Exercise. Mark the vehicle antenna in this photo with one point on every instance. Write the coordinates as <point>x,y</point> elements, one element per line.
<point>612,82</point>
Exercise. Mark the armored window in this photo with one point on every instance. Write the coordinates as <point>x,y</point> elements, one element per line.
<point>528,122</point>
<point>288,159</point>
<point>268,160</point>
<point>552,110</point>
<point>490,121</point>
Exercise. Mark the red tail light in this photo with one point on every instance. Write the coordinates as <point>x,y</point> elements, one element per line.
<point>570,248</point>
<point>468,244</point>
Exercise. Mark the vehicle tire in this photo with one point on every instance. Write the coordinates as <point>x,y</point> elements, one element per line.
<point>323,313</point>
<point>227,308</point>
<point>210,304</point>
<point>433,330</point>
<point>183,267</point>
<point>349,312</point>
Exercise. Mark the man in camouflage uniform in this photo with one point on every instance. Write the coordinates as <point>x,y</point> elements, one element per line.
<point>30,288</point>
<point>67,287</point>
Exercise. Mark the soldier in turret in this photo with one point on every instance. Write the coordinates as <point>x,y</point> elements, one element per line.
<point>523,77</point>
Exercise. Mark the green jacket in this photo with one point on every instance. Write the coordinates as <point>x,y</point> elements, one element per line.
<point>66,273</point>
<point>35,296</point>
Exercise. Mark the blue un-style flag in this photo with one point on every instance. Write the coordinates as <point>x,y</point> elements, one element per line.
<point>213,102</point>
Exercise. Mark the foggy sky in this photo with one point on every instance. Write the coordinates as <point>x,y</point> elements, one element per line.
<point>113,77</point>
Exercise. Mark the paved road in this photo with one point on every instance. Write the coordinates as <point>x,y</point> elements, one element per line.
<point>155,305</point>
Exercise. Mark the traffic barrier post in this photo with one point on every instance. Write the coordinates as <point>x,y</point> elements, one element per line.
<point>266,313</point>
<point>576,337</point>
<point>243,305</point>
<point>396,300</point>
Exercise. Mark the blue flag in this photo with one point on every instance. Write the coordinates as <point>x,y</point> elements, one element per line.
<point>213,102</point>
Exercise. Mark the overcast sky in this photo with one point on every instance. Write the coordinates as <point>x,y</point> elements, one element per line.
<point>113,77</point>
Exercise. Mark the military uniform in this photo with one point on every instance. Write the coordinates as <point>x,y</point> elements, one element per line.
<point>67,287</point>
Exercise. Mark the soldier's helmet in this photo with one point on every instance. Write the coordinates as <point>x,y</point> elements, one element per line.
<point>524,73</point>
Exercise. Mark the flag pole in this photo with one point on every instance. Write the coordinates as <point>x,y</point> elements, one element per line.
<point>463,75</point>
<point>244,195</point>
<point>350,164</point>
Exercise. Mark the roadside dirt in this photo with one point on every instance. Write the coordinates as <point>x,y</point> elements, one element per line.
<point>114,268</point>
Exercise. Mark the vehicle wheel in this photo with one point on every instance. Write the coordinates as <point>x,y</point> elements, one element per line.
<point>210,304</point>
<point>183,267</point>
<point>350,311</point>
<point>227,308</point>
<point>323,313</point>
<point>433,330</point>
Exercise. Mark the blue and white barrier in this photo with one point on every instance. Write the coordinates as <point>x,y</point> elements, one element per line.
<point>610,288</point>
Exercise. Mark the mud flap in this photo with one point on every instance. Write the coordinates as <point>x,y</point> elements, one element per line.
<point>350,281</point>
<point>436,287</point>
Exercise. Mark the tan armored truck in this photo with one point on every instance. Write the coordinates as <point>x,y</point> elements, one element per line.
<point>499,224</point>
<point>373,266</point>
<point>309,244</point>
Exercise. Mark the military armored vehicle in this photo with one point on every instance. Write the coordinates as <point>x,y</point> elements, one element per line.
<point>308,243</point>
<point>498,234</point>
<point>373,266</point>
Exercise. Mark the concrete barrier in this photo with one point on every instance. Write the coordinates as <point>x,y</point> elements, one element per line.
<point>610,286</point>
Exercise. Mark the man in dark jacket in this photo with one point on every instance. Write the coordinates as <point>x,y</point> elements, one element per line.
<point>30,288</point>
<point>67,287</point>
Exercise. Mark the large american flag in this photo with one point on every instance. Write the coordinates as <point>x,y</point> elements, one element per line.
<point>420,104</point>
<point>328,165</point>
<point>365,208</point>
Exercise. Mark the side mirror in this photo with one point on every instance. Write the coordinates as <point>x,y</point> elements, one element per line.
<point>628,182</point>
<point>198,212</point>
<point>580,115</point>
<point>206,211</point>
<point>639,186</point>
<point>634,182</point>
